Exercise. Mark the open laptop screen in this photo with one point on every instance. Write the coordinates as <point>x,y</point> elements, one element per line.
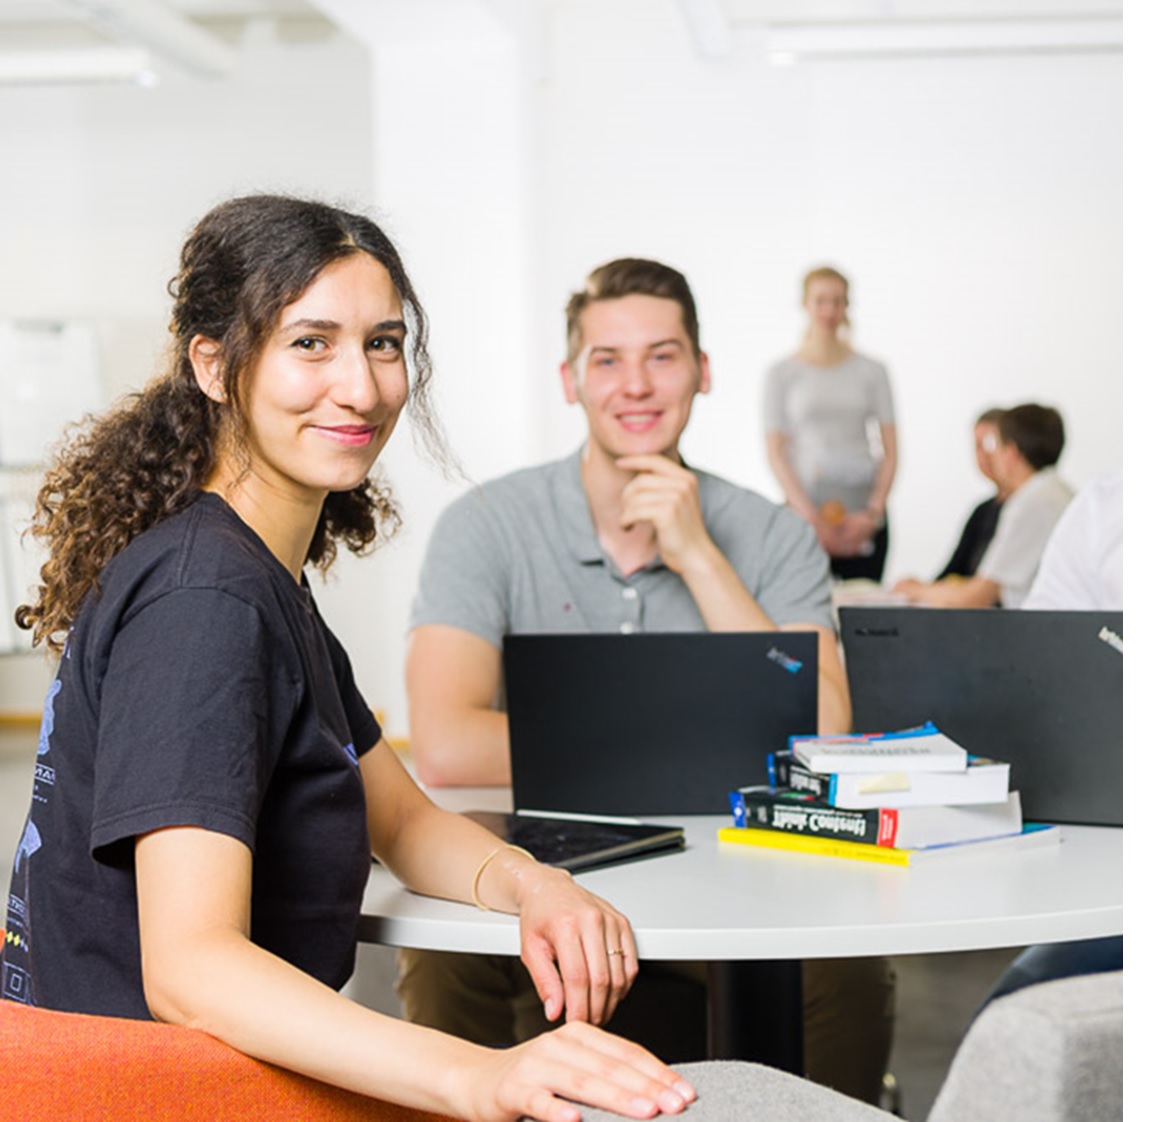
<point>1041,690</point>
<point>652,724</point>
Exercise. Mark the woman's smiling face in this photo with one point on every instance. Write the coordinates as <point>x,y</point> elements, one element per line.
<point>328,386</point>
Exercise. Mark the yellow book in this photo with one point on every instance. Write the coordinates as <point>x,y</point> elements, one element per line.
<point>1033,835</point>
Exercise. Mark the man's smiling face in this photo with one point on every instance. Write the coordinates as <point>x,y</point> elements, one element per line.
<point>635,375</point>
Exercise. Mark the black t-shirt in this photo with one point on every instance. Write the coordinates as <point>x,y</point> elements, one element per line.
<point>199,687</point>
<point>974,540</point>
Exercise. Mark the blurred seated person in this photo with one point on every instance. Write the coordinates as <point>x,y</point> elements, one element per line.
<point>1082,570</point>
<point>981,525</point>
<point>1022,461</point>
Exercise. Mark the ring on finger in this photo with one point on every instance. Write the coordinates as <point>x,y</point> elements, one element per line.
<point>616,950</point>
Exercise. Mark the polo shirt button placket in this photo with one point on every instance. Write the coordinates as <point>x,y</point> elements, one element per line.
<point>631,598</point>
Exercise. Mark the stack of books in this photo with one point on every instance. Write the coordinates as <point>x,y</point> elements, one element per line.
<point>900,797</point>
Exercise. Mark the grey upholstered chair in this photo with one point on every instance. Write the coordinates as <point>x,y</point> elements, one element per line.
<point>1048,1053</point>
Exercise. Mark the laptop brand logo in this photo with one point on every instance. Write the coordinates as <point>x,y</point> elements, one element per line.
<point>1107,635</point>
<point>792,665</point>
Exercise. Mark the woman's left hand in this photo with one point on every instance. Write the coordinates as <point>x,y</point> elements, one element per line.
<point>579,949</point>
<point>856,531</point>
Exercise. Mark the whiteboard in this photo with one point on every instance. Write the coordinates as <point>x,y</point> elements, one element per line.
<point>49,378</point>
<point>20,561</point>
<point>9,632</point>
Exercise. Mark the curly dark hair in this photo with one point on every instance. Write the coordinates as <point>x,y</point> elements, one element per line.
<point>149,457</point>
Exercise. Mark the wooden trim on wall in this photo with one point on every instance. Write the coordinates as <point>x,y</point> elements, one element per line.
<point>17,720</point>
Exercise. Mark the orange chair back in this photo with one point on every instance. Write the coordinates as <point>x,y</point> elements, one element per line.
<point>70,1066</point>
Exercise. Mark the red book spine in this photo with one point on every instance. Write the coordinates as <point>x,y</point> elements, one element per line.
<point>886,832</point>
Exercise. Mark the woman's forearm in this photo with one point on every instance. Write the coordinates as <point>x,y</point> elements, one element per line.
<point>201,969</point>
<point>266,1008</point>
<point>794,493</point>
<point>885,472</point>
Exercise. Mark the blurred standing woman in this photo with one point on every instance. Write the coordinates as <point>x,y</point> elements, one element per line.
<point>210,784</point>
<point>831,433</point>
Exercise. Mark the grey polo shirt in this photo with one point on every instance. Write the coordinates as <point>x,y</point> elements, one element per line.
<point>520,554</point>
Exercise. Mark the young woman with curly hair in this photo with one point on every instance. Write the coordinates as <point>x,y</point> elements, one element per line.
<point>211,784</point>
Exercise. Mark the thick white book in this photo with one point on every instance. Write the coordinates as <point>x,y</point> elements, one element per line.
<point>911,827</point>
<point>924,748</point>
<point>982,781</point>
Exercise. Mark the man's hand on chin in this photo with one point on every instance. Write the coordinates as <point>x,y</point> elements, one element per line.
<point>665,493</point>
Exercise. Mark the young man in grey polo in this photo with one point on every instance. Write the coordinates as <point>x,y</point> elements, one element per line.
<point>620,536</point>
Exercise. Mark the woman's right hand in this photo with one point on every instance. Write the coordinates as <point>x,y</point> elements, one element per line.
<point>545,1077</point>
<point>828,534</point>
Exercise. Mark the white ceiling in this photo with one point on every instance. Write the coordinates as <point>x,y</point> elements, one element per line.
<point>44,41</point>
<point>53,19</point>
<point>810,11</point>
<point>53,40</point>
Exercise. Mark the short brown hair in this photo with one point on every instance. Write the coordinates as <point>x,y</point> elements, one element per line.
<point>1037,430</point>
<point>632,276</point>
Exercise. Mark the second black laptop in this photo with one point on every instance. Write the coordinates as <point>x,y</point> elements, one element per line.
<point>652,724</point>
<point>1042,691</point>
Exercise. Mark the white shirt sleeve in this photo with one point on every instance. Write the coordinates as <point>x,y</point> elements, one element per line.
<point>1083,565</point>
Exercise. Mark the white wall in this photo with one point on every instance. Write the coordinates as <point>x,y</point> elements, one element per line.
<point>101,185</point>
<point>975,203</point>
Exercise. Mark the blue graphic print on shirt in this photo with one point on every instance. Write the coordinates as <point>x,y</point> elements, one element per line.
<point>15,980</point>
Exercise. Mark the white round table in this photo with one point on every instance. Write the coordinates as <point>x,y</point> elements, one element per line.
<point>731,904</point>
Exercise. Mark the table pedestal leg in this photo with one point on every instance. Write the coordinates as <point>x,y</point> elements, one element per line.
<point>756,1012</point>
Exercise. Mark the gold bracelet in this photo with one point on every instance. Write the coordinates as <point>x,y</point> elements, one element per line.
<point>480,872</point>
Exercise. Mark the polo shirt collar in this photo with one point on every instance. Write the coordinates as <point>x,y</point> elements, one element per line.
<point>575,518</point>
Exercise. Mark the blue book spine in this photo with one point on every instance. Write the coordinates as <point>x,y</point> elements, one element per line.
<point>739,810</point>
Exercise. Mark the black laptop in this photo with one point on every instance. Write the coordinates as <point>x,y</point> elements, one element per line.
<point>1041,690</point>
<point>652,724</point>
<point>581,842</point>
